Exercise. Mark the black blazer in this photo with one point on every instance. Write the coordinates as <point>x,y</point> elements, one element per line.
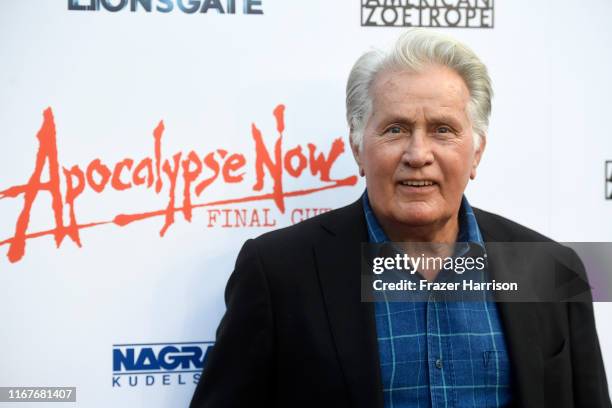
<point>296,334</point>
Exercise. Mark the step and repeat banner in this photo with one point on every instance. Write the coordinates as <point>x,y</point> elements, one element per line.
<point>143,141</point>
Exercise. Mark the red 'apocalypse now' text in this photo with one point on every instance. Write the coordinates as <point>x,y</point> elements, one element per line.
<point>155,172</point>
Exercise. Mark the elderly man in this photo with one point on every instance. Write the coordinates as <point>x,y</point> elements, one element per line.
<point>296,332</point>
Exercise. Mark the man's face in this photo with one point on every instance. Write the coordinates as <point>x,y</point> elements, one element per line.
<point>418,150</point>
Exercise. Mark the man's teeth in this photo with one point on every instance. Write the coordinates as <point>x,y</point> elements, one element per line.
<point>420,183</point>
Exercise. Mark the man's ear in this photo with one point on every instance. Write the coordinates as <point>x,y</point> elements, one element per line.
<point>478,155</point>
<point>356,152</point>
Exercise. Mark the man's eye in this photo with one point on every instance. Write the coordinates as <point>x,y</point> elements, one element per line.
<point>443,129</point>
<point>394,130</point>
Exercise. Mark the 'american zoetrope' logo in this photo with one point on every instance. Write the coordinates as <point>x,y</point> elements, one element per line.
<point>183,178</point>
<point>427,13</point>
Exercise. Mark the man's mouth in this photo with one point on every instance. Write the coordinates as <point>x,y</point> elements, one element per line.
<point>417,183</point>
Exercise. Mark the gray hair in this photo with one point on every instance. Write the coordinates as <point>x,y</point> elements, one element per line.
<point>414,50</point>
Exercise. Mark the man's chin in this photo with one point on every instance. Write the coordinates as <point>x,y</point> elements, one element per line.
<point>416,218</point>
<point>417,214</point>
<point>416,221</point>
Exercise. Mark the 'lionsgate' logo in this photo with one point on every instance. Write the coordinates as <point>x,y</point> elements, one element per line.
<point>608,180</point>
<point>167,6</point>
<point>427,13</point>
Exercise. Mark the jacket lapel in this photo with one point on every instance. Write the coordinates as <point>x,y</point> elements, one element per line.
<point>518,318</point>
<point>352,322</point>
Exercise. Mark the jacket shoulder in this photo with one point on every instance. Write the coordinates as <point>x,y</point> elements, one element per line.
<point>496,228</point>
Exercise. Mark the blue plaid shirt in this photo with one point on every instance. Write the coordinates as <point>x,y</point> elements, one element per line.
<point>440,353</point>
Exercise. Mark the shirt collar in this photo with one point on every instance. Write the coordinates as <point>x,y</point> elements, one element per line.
<point>468,226</point>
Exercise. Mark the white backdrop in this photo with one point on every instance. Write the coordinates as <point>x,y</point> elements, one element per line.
<point>111,77</point>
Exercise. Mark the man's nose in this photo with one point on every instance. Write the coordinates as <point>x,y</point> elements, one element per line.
<point>418,150</point>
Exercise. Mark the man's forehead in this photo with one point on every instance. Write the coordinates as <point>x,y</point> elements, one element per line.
<point>435,84</point>
<point>409,108</point>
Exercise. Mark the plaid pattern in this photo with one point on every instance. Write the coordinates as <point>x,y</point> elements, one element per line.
<point>436,353</point>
